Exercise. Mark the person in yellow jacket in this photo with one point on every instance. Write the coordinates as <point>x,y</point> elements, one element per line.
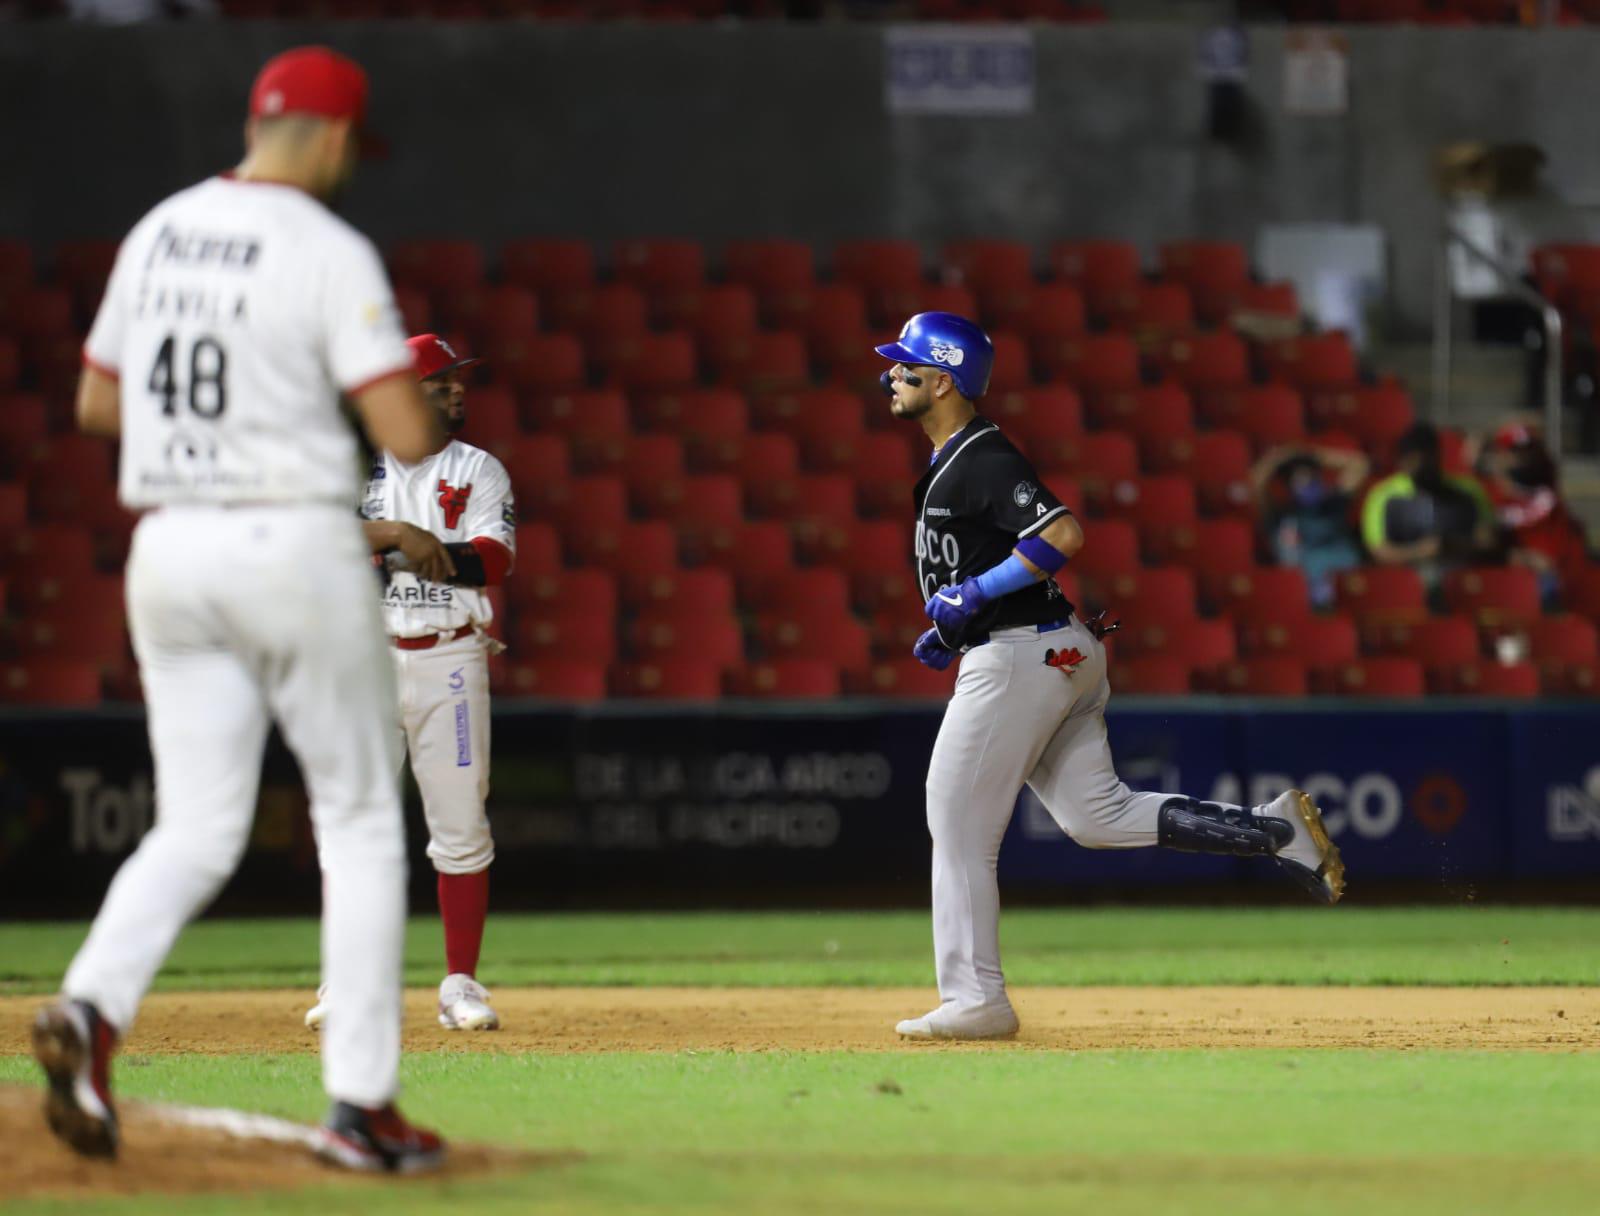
<point>1424,517</point>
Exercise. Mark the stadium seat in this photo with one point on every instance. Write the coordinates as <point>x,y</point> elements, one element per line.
<point>538,551</point>
<point>599,314</point>
<point>1150,413</point>
<point>1435,642</point>
<point>1563,271</point>
<point>640,554</point>
<point>16,265</point>
<point>1312,361</point>
<point>1206,361</point>
<point>649,462</point>
<point>1278,300</point>
<point>697,504</point>
<point>798,679</point>
<point>673,633</point>
<point>1092,363</point>
<point>1580,591</point>
<point>1099,461</point>
<point>1493,595</point>
<point>1385,676</point>
<point>1215,549</point>
<point>1152,313</point>
<point>555,591</point>
<point>771,268</point>
<point>754,553</point>
<point>548,265</point>
<point>44,312</point>
<point>703,591</point>
<point>10,363</point>
<point>891,307</point>
<point>828,425</point>
<point>1377,415</point>
<point>895,630</point>
<point>1275,676</point>
<point>878,266</point>
<point>83,268</point>
<point>534,463</point>
<point>755,459</point>
<point>903,678</point>
<point>885,475</point>
<point>594,424</point>
<point>24,423</point>
<point>1110,547</point>
<point>1012,370</point>
<point>821,502</point>
<point>1153,595</point>
<point>1215,272</point>
<point>580,505</point>
<point>713,313</point>
<point>564,631</point>
<point>1486,678</point>
<point>705,418</point>
<point>1100,269</point>
<point>487,313</point>
<point>1155,505</point>
<point>988,266</point>
<point>659,265</point>
<point>1264,596</point>
<point>819,588</point>
<point>805,631</point>
<point>416,309</point>
<point>1561,639</point>
<point>1572,680</point>
<point>1039,312</point>
<point>1199,644</point>
<point>1268,414</point>
<point>1380,594</point>
<point>672,680</point>
<point>875,555</point>
<point>1038,419</point>
<point>13,508</point>
<point>438,266</point>
<point>1322,643</point>
<point>52,682</point>
<point>538,363</point>
<point>492,418</point>
<point>1152,675</point>
<point>555,679</point>
<point>826,313</point>
<point>650,362</point>
<point>760,362</point>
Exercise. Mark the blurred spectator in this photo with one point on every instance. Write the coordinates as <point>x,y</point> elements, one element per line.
<point>1424,517</point>
<point>1541,531</point>
<point>1304,495</point>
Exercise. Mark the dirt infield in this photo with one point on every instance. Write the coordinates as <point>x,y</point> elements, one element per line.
<point>556,1020</point>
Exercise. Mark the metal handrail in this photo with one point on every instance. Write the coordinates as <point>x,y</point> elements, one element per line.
<point>1444,317</point>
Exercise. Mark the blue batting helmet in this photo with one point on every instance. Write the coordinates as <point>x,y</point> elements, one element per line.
<point>950,343</point>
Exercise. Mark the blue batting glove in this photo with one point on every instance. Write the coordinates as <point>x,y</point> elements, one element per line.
<point>951,607</point>
<point>931,652</point>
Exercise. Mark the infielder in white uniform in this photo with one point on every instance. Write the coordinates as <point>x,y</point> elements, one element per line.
<point>238,314</point>
<point>446,528</point>
<point>1029,703</point>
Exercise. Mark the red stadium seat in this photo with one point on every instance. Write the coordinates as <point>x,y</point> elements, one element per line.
<point>595,424</point>
<point>10,363</point>
<point>13,510</point>
<point>54,682</point>
<point>1489,679</point>
<point>416,310</point>
<point>704,418</point>
<point>702,591</point>
<point>1011,368</point>
<point>600,314</point>
<point>1207,361</point>
<point>1093,362</point>
<point>639,554</point>
<point>24,423</point>
<point>1264,596</point>
<point>675,634</point>
<point>713,314</point>
<point>760,362</point>
<point>1204,645</point>
<point>875,555</point>
<point>83,268</point>
<point>1038,311</point>
<point>492,419</point>
<point>556,591</point>
<point>1493,595</point>
<point>1153,313</point>
<point>44,312</point>
<point>538,552</point>
<point>1562,639</point>
<point>1563,270</point>
<point>1268,414</point>
<point>1313,361</point>
<point>1581,591</point>
<point>771,268</point>
<point>651,361</point>
<point>1320,642</point>
<point>660,264</point>
<point>896,628</point>
<point>1154,675</point>
<point>534,463</point>
<point>1265,677</point>
<point>583,504</point>
<point>758,461</point>
<point>1383,412</point>
<point>1381,594</point>
<point>1155,505</point>
<point>548,265</point>
<point>1100,463</point>
<point>798,679</point>
<point>1037,420</point>
<point>891,307</point>
<point>990,265</point>
<point>819,588</point>
<point>878,266</point>
<point>487,313</point>
<point>755,554</point>
<point>697,504</point>
<point>884,473</point>
<point>1572,680</point>
<point>648,463</point>
<point>564,631</point>
<point>904,678</point>
<point>826,313</point>
<point>1269,300</point>
<point>674,680</point>
<point>1216,272</point>
<point>541,363</point>
<point>16,265</point>
<point>1154,595</point>
<point>1149,412</point>
<point>1100,269</point>
<point>1380,677</point>
<point>1440,641</point>
<point>1110,547</point>
<point>804,631</point>
<point>556,680</point>
<point>437,265</point>
<point>821,502</point>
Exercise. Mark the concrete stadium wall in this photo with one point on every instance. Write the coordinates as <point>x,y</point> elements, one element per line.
<point>728,131</point>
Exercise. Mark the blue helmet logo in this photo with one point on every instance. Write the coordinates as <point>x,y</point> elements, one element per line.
<point>952,344</point>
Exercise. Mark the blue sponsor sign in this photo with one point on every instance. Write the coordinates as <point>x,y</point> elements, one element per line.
<point>1555,803</point>
<point>958,70</point>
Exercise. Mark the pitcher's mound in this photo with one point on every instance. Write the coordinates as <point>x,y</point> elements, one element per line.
<point>174,1150</point>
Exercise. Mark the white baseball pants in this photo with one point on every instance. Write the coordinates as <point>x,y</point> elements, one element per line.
<point>444,725</point>
<point>1014,720</point>
<point>240,617</point>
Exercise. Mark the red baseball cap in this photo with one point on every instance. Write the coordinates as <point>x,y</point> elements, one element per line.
<point>311,80</point>
<point>434,356</point>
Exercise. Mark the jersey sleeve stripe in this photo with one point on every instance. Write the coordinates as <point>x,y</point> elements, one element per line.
<point>1041,522</point>
<point>357,389</point>
<point>105,369</point>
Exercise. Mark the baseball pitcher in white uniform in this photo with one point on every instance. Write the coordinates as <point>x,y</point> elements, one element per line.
<point>1030,700</point>
<point>240,312</point>
<point>446,529</point>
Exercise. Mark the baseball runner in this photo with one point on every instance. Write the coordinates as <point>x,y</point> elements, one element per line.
<point>446,528</point>
<point>1029,703</point>
<point>238,313</point>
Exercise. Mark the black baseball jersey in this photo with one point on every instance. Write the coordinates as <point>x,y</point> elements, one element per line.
<point>974,503</point>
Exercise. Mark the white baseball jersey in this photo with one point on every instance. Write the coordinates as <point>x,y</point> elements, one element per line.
<point>236,315</point>
<point>459,494</point>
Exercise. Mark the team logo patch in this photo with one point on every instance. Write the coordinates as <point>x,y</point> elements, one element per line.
<point>950,356</point>
<point>453,501</point>
<point>508,513</point>
<point>1064,661</point>
<point>463,736</point>
<point>1023,494</point>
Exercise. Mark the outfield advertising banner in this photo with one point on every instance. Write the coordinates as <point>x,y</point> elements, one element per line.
<point>735,804</point>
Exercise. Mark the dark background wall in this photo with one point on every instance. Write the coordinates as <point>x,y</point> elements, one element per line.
<point>728,131</point>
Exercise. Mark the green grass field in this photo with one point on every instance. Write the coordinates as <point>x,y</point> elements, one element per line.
<point>944,1129</point>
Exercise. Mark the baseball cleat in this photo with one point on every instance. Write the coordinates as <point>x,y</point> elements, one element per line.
<point>319,1011</point>
<point>464,1005</point>
<point>73,1045</point>
<point>376,1139</point>
<point>947,1022</point>
<point>1311,859</point>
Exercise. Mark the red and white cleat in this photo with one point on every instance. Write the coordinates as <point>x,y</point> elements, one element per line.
<point>377,1140</point>
<point>73,1045</point>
